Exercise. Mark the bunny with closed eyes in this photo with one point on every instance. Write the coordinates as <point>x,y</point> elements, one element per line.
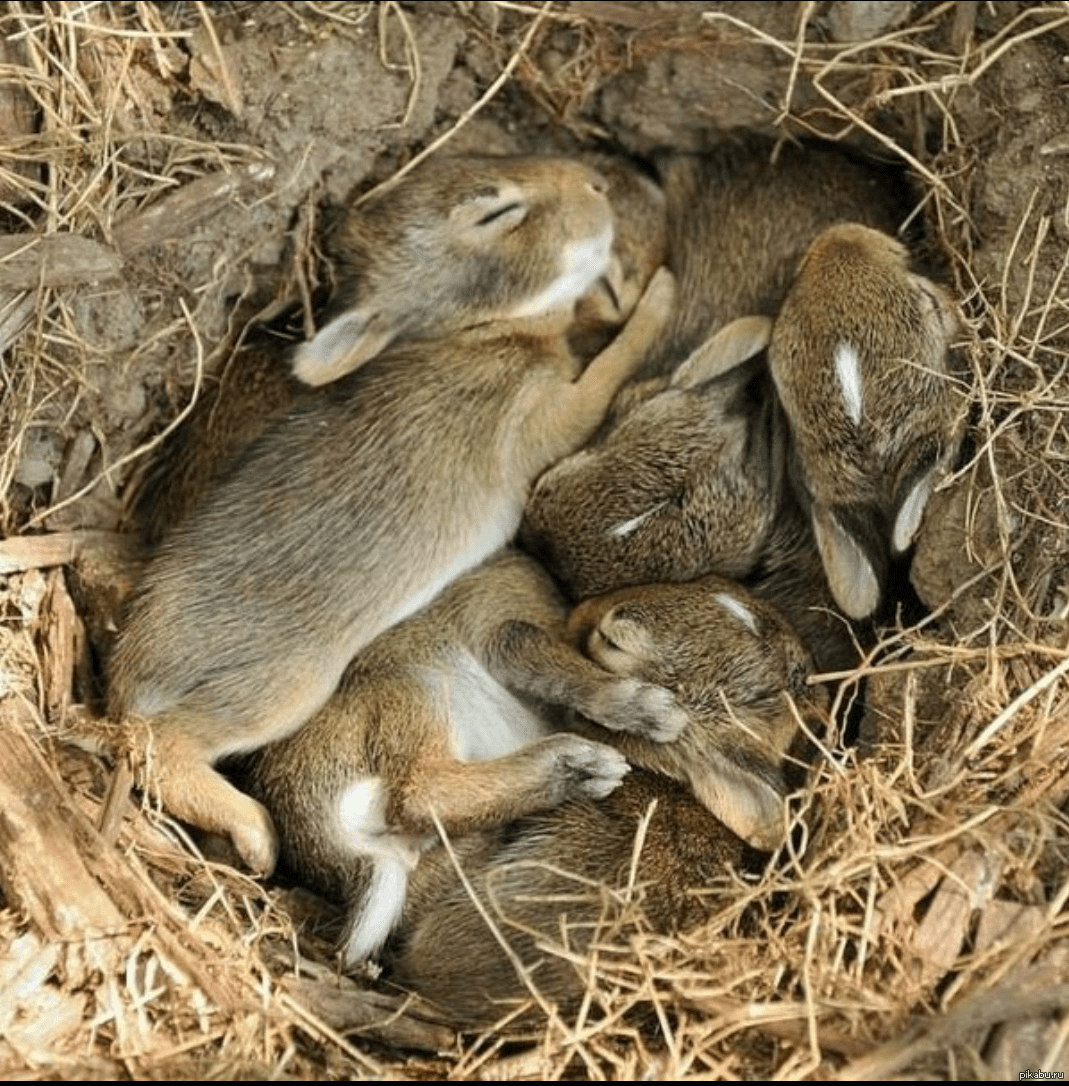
<point>408,467</point>
<point>706,802</point>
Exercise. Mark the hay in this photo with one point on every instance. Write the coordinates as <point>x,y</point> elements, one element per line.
<point>917,923</point>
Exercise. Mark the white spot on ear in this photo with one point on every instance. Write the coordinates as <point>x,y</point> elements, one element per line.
<point>909,515</point>
<point>848,371</point>
<point>584,263</point>
<point>738,609</point>
<point>625,528</point>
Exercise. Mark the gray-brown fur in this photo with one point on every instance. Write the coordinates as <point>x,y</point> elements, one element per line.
<point>740,218</point>
<point>448,716</point>
<point>254,388</point>
<point>458,242</point>
<point>556,880</point>
<point>555,870</point>
<point>687,481</point>
<point>714,645</point>
<point>365,500</point>
<point>639,246</point>
<point>257,384</point>
<point>862,362</point>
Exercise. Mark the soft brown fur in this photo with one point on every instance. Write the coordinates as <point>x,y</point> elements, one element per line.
<point>870,445</point>
<point>551,873</point>
<point>448,716</point>
<point>742,214</point>
<point>687,481</point>
<point>372,494</point>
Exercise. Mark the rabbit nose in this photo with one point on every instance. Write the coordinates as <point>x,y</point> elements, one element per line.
<point>598,183</point>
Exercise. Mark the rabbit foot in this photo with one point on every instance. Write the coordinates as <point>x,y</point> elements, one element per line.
<point>591,769</point>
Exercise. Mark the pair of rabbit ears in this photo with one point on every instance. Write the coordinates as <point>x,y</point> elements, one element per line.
<point>343,345</point>
<point>857,543</point>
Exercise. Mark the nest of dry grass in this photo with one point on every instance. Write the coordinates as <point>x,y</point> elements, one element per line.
<point>916,926</point>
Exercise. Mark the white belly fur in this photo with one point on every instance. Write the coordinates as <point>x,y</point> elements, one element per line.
<point>488,722</point>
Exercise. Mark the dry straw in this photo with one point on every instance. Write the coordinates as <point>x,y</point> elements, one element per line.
<point>916,924</point>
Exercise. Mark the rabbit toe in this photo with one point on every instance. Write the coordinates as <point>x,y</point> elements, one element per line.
<point>643,709</point>
<point>595,769</point>
<point>257,841</point>
<point>657,714</point>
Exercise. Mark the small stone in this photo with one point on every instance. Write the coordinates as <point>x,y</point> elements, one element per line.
<point>863,20</point>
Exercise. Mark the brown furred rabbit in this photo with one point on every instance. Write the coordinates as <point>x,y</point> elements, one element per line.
<point>257,384</point>
<point>861,356</point>
<point>742,214</point>
<point>686,481</point>
<point>447,715</point>
<point>731,660</point>
<point>353,511</point>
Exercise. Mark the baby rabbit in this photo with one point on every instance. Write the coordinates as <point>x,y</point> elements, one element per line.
<point>257,384</point>
<point>447,715</point>
<point>862,362</point>
<point>374,492</point>
<point>731,660</point>
<point>687,481</point>
<point>740,217</point>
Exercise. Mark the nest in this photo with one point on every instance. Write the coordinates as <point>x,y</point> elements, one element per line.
<point>161,172</point>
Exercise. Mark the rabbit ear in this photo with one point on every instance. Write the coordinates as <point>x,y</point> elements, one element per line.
<point>342,346</point>
<point>851,577</point>
<point>747,801</point>
<point>728,348</point>
<point>911,509</point>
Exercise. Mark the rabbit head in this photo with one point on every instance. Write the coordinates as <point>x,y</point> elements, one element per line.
<point>685,482</point>
<point>457,243</point>
<point>862,360</point>
<point>732,660</point>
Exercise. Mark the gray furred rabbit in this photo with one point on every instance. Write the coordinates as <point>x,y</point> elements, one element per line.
<point>374,492</point>
<point>863,362</point>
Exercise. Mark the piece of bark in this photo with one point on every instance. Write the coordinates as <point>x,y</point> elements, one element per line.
<point>1042,992</point>
<point>16,312</point>
<point>29,261</point>
<point>18,118</point>
<point>22,552</point>
<point>70,885</point>
<point>43,840</point>
<point>180,212</point>
<point>61,637</point>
